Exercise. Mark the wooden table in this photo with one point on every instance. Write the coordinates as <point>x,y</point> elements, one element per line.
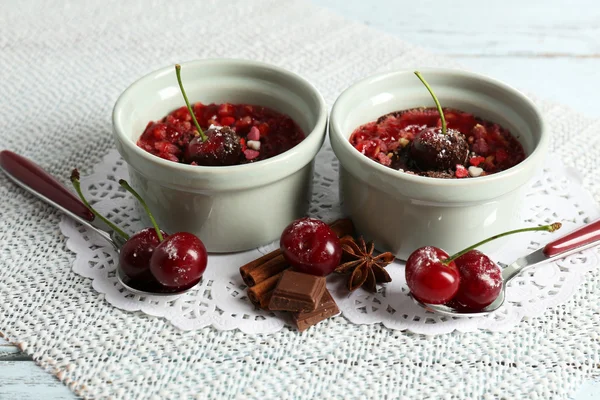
<point>548,47</point>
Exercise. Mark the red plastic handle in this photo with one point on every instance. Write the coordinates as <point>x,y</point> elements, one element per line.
<point>33,176</point>
<point>579,237</point>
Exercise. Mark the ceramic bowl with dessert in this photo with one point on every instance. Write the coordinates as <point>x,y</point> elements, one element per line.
<point>440,157</point>
<point>236,169</point>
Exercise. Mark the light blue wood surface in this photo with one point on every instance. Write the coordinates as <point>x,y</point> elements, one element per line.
<point>548,47</point>
<point>22,379</point>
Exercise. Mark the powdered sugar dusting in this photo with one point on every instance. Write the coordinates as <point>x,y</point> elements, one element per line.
<point>171,249</point>
<point>490,276</point>
<point>422,257</point>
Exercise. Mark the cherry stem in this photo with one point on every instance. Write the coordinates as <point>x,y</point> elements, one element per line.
<point>187,103</point>
<point>126,186</point>
<point>548,228</point>
<point>437,103</point>
<point>77,186</point>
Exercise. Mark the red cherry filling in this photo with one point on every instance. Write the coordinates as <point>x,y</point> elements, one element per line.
<point>179,260</point>
<point>480,280</point>
<point>134,257</point>
<point>221,148</point>
<point>428,278</point>
<point>310,246</point>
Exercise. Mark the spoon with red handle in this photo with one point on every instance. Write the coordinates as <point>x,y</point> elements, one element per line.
<point>38,182</point>
<point>587,234</point>
<point>31,177</point>
<point>580,239</point>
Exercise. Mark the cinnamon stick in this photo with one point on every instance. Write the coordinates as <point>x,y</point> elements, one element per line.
<point>343,227</point>
<point>266,270</point>
<point>260,294</point>
<point>247,269</point>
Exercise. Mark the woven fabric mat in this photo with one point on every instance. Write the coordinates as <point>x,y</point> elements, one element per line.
<point>63,67</point>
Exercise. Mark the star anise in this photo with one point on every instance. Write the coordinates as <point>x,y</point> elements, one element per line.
<point>366,270</point>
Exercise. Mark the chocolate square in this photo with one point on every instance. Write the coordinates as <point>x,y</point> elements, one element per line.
<point>297,291</point>
<point>325,309</point>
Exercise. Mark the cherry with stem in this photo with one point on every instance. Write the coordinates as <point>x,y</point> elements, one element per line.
<point>433,149</point>
<point>177,261</point>
<point>469,276</point>
<point>219,146</point>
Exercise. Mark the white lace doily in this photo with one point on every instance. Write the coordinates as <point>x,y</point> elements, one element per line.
<point>221,301</point>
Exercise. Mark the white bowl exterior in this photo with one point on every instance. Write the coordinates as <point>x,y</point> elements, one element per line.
<point>402,212</point>
<point>228,220</point>
<point>401,224</point>
<point>230,208</point>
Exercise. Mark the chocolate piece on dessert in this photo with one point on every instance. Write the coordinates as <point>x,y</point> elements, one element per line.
<point>221,148</point>
<point>438,174</point>
<point>431,150</point>
<point>297,291</point>
<point>325,309</point>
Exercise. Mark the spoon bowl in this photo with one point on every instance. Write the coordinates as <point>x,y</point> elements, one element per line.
<point>464,313</point>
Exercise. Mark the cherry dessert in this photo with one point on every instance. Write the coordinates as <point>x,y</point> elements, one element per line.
<point>152,260</point>
<point>468,279</point>
<point>438,142</point>
<point>311,246</point>
<point>220,134</point>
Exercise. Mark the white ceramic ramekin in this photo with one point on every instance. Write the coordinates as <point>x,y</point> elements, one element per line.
<point>230,208</point>
<point>402,212</point>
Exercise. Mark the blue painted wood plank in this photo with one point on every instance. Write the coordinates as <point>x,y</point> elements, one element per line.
<point>502,28</point>
<point>24,380</point>
<point>588,391</point>
<point>7,348</point>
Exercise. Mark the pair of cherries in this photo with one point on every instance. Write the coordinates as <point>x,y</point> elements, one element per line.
<point>466,280</point>
<point>151,259</point>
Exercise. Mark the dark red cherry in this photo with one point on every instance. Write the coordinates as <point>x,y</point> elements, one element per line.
<point>431,150</point>
<point>179,260</point>
<point>221,148</point>
<point>310,246</point>
<point>134,257</point>
<point>480,280</point>
<point>428,278</point>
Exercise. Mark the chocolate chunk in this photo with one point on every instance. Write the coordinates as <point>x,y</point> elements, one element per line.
<point>325,309</point>
<point>438,174</point>
<point>297,291</point>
